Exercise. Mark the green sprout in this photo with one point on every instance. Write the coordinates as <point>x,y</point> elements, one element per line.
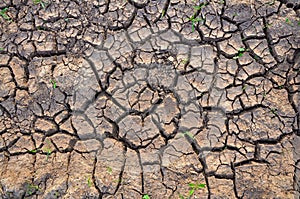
<point>53,82</point>
<point>280,87</point>
<point>184,61</point>
<point>109,170</point>
<point>48,153</point>
<point>3,14</point>
<point>31,188</point>
<point>200,6</point>
<point>271,3</point>
<point>193,188</point>
<point>298,23</point>
<point>33,151</point>
<point>244,88</point>
<point>188,134</point>
<point>194,21</point>
<point>48,150</point>
<point>268,25</point>
<point>1,49</point>
<point>89,182</point>
<point>240,53</point>
<point>163,12</point>
<point>288,21</point>
<point>146,196</point>
<point>274,111</point>
<point>256,57</point>
<point>39,2</point>
<point>117,180</point>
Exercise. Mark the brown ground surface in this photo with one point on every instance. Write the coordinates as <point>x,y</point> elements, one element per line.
<point>129,98</point>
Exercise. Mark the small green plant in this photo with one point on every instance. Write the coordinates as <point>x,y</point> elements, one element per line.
<point>48,150</point>
<point>109,170</point>
<point>235,14</point>
<point>89,182</point>
<point>53,82</point>
<point>1,49</point>
<point>4,15</point>
<point>274,111</point>
<point>184,61</point>
<point>288,21</point>
<point>244,87</point>
<point>146,196</point>
<point>280,86</point>
<point>117,181</point>
<point>194,21</point>
<point>298,23</point>
<point>188,134</point>
<point>163,12</point>
<point>271,3</point>
<point>39,2</point>
<point>256,57</point>
<point>268,25</point>
<point>200,6</point>
<point>31,188</point>
<point>33,151</point>
<point>193,188</point>
<point>240,53</point>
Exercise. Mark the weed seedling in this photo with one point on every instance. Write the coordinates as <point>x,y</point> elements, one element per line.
<point>146,196</point>
<point>1,49</point>
<point>274,111</point>
<point>268,25</point>
<point>4,15</point>
<point>244,88</point>
<point>89,182</point>
<point>288,21</point>
<point>200,6</point>
<point>33,151</point>
<point>117,181</point>
<point>31,188</point>
<point>298,23</point>
<point>188,134</point>
<point>193,188</point>
<point>53,82</point>
<point>194,21</point>
<point>48,153</point>
<point>163,12</point>
<point>271,2</point>
<point>47,150</point>
<point>240,53</point>
<point>109,170</point>
<point>39,2</point>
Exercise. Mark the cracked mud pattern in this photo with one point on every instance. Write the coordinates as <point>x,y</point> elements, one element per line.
<point>133,98</point>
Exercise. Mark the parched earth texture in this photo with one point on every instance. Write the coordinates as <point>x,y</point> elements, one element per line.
<point>144,99</point>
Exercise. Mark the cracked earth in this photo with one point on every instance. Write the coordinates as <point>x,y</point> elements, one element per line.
<point>142,99</point>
